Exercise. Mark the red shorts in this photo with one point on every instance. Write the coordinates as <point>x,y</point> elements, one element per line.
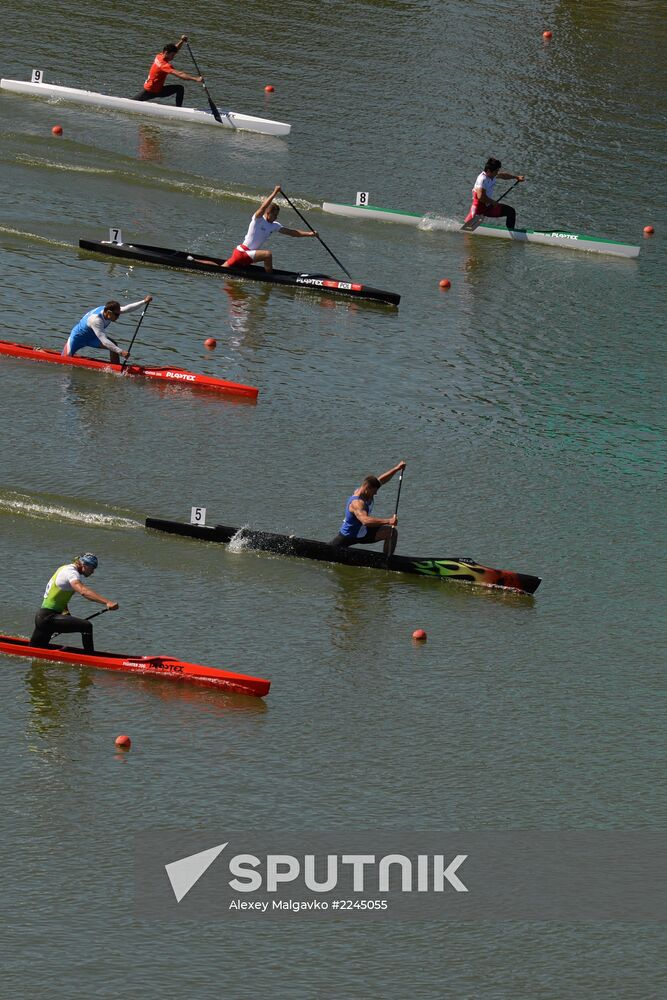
<point>238,259</point>
<point>491,211</point>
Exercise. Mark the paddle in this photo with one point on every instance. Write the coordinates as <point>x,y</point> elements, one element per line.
<point>398,495</point>
<point>388,541</point>
<point>469,227</point>
<point>125,359</point>
<point>97,614</point>
<point>303,219</point>
<point>214,110</point>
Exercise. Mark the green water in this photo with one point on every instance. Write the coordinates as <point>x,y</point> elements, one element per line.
<point>528,402</point>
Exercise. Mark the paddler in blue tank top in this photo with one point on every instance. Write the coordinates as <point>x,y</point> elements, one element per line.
<point>54,617</point>
<point>359,527</point>
<point>90,330</point>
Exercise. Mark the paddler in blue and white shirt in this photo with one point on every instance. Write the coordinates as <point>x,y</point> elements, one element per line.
<point>359,527</point>
<point>90,330</point>
<point>54,617</point>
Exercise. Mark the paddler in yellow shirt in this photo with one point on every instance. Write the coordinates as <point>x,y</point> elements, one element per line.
<point>53,617</point>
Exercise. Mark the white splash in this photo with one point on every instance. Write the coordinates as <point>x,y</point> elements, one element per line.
<point>239,542</point>
<point>432,221</point>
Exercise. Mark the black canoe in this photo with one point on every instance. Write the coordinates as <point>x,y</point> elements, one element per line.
<point>192,261</point>
<point>458,569</point>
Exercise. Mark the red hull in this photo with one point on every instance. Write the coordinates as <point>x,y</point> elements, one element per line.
<point>172,375</point>
<point>147,666</point>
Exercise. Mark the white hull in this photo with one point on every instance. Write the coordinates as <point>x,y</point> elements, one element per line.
<point>554,238</point>
<point>558,238</point>
<point>230,119</point>
<point>384,214</point>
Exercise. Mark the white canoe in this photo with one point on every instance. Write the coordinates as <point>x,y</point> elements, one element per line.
<point>547,237</point>
<point>371,212</point>
<point>230,119</point>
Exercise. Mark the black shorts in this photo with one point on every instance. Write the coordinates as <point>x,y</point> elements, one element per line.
<point>49,623</point>
<point>175,90</point>
<point>343,542</point>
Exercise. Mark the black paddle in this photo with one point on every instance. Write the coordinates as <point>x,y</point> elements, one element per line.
<point>468,227</point>
<point>303,219</point>
<point>125,360</point>
<point>214,110</point>
<point>398,497</point>
<point>97,614</point>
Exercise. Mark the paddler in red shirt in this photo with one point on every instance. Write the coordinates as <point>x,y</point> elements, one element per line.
<point>157,74</point>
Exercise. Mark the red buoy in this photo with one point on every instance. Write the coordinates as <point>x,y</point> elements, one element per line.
<point>648,230</point>
<point>57,130</point>
<point>547,34</point>
<point>123,741</point>
<point>419,635</point>
<point>211,343</point>
<point>445,283</point>
<point>268,88</point>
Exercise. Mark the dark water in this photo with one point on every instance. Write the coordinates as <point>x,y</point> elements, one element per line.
<point>528,402</point>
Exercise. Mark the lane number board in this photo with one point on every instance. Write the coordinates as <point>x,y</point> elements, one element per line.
<point>198,515</point>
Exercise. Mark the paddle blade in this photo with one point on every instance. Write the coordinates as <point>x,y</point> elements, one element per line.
<point>214,110</point>
<point>469,227</point>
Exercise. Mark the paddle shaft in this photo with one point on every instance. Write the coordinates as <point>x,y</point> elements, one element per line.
<point>97,614</point>
<point>508,190</point>
<point>125,359</point>
<point>214,110</point>
<point>303,219</point>
<point>398,495</point>
<point>390,542</point>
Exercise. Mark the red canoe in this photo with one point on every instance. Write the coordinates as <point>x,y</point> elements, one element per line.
<point>173,375</point>
<point>147,666</point>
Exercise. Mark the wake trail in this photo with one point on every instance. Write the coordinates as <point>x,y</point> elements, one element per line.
<point>25,505</point>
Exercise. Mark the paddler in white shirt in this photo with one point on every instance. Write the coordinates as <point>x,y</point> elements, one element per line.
<point>54,617</point>
<point>90,330</point>
<point>262,225</point>
<point>483,202</point>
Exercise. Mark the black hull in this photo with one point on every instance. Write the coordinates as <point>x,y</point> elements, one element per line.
<point>443,569</point>
<point>183,259</point>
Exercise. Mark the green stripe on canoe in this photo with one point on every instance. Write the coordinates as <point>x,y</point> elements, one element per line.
<point>559,233</point>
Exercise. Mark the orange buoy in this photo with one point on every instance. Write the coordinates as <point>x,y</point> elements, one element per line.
<point>211,343</point>
<point>445,283</point>
<point>57,130</point>
<point>419,635</point>
<point>648,230</point>
<point>123,741</point>
<point>547,34</point>
<point>269,88</point>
